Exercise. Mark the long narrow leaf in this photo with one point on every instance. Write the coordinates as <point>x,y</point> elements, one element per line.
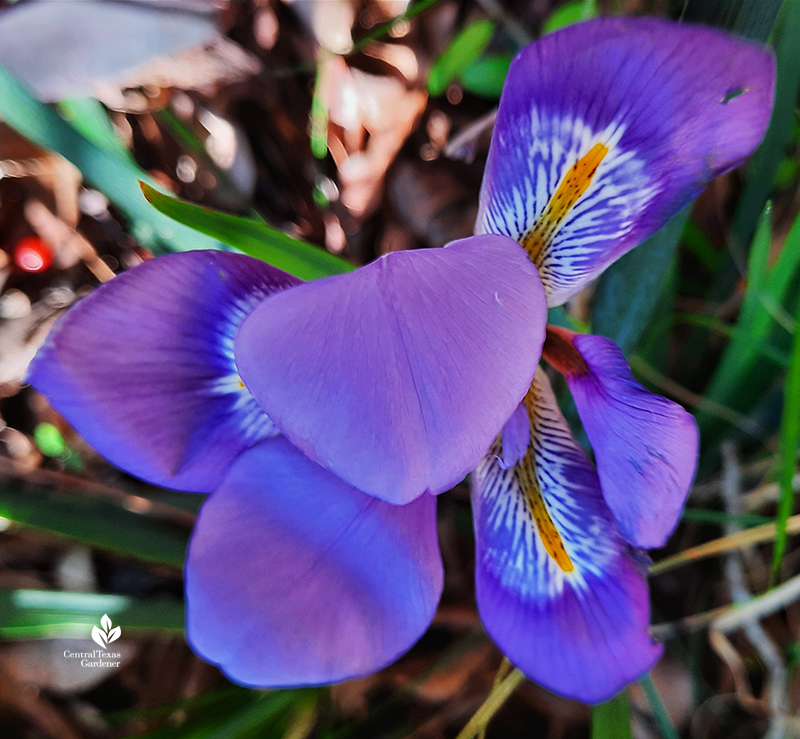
<point>628,291</point>
<point>48,614</point>
<point>464,49</point>
<point>612,719</point>
<point>790,440</point>
<point>252,237</point>
<point>111,173</point>
<point>319,110</point>
<point>96,523</point>
<point>752,19</point>
<point>764,165</point>
<point>90,118</point>
<point>233,713</point>
<point>664,722</point>
<point>740,377</point>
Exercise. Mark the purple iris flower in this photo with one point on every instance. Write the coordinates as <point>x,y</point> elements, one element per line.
<point>293,575</point>
<point>323,417</point>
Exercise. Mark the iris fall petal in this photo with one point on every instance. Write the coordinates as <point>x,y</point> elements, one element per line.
<point>295,578</point>
<point>557,587</point>
<point>143,367</point>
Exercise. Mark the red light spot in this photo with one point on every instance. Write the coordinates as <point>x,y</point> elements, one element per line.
<point>32,254</point>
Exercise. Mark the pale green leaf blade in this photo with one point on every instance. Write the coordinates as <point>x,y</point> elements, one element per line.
<point>50,614</point>
<point>116,176</point>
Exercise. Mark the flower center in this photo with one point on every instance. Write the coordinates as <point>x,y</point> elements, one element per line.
<point>572,186</point>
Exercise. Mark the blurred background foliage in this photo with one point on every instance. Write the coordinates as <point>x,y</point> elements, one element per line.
<point>318,135</point>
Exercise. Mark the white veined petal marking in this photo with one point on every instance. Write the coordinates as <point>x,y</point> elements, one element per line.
<point>548,525</point>
<point>250,419</point>
<point>571,192</point>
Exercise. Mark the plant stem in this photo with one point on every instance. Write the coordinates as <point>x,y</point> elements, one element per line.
<point>497,698</point>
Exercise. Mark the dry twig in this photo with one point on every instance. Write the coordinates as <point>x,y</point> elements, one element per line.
<point>776,690</point>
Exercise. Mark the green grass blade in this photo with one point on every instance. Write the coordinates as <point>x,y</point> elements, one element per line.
<point>233,713</point>
<point>412,11</point>
<point>720,518</point>
<point>752,19</point>
<point>704,320</point>
<point>612,719</point>
<point>50,614</point>
<point>628,290</point>
<point>318,138</point>
<point>208,698</point>
<point>205,718</point>
<point>696,241</point>
<point>740,377</point>
<point>261,712</point>
<point>252,237</point>
<point>96,523</point>
<point>90,119</point>
<point>114,175</point>
<point>789,441</point>
<point>663,721</point>
<point>764,165</point>
<point>464,49</point>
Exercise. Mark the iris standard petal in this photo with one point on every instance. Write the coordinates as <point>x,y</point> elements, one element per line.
<point>295,578</point>
<point>607,128</point>
<point>645,446</point>
<point>143,367</point>
<point>557,587</point>
<point>398,376</point>
<point>515,436</point>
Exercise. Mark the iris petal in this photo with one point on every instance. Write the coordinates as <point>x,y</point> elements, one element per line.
<point>515,437</point>
<point>645,446</point>
<point>557,588</point>
<point>295,578</point>
<point>607,128</point>
<point>398,376</point>
<point>143,367</point>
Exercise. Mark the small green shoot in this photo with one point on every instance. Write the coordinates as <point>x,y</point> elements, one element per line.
<point>569,13</point>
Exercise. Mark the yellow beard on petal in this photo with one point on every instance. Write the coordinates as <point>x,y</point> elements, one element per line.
<point>572,186</point>
<point>551,539</point>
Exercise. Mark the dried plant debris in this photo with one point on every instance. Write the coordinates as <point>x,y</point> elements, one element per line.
<point>79,48</point>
